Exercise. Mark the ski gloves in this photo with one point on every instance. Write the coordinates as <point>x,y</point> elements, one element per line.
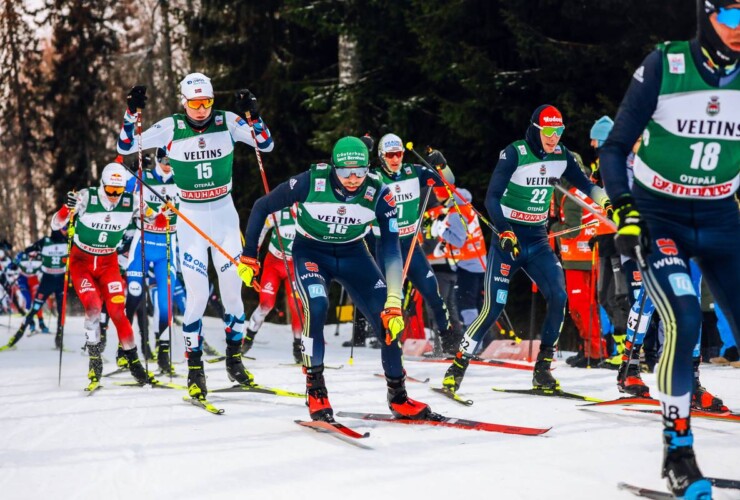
<point>136,98</point>
<point>248,269</point>
<point>71,202</point>
<point>435,158</point>
<point>392,318</point>
<point>632,238</point>
<point>246,102</point>
<point>509,243</point>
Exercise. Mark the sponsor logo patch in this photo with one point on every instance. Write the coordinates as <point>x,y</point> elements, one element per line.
<point>319,185</point>
<point>713,106</point>
<point>115,287</point>
<point>522,149</point>
<point>505,269</point>
<point>312,266</point>
<point>379,284</point>
<point>393,225</point>
<point>316,291</point>
<point>219,120</point>
<point>666,246</point>
<point>118,299</point>
<point>369,193</point>
<point>681,284</point>
<point>389,199</point>
<point>501,296</point>
<point>676,64</point>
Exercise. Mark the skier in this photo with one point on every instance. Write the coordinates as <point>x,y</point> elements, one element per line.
<point>102,214</point>
<point>518,201</point>
<point>274,272</point>
<point>53,251</point>
<point>406,180</point>
<point>30,265</point>
<point>683,100</point>
<point>200,145</point>
<point>155,252</point>
<point>336,205</point>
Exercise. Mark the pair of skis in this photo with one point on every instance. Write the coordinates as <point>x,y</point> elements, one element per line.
<point>558,393</point>
<point>661,495</point>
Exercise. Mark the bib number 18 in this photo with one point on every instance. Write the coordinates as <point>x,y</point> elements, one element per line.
<point>706,156</point>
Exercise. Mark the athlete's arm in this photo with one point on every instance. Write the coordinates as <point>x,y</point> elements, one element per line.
<point>284,195</point>
<point>505,168</point>
<point>240,132</point>
<point>455,233</point>
<point>36,247</point>
<point>158,135</point>
<point>634,113</point>
<point>60,218</point>
<point>385,213</point>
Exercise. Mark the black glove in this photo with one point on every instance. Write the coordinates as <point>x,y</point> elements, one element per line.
<point>136,98</point>
<point>246,103</point>
<point>631,229</point>
<point>71,202</point>
<point>435,158</point>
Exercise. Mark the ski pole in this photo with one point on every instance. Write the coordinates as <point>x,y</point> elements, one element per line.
<point>186,220</point>
<point>573,229</point>
<point>169,293</point>
<point>532,309</point>
<point>339,308</point>
<point>554,182</point>
<point>629,351</point>
<point>415,237</point>
<point>63,317</point>
<point>296,302</point>
<point>145,286</point>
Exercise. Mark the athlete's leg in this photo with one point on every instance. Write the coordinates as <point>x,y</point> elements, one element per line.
<point>135,280</point>
<point>313,276</point>
<point>270,278</point>
<point>194,266</point>
<point>229,283</point>
<point>294,302</point>
<point>543,267</point>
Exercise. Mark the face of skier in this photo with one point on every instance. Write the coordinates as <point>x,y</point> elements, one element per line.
<point>393,160</point>
<point>549,143</point>
<point>164,164</point>
<point>726,24</point>
<point>113,193</point>
<point>199,110</point>
<point>349,179</point>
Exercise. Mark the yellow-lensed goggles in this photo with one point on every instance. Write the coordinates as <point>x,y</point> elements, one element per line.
<point>197,103</point>
<point>113,190</point>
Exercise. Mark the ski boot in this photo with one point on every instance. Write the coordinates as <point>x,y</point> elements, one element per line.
<point>631,381</point>
<point>196,376</point>
<point>248,341</point>
<point>163,357</point>
<point>401,405</point>
<point>685,480</point>
<point>317,397</point>
<point>32,328</point>
<point>702,399</point>
<point>455,373</point>
<point>96,365</point>
<point>17,336</point>
<point>121,360</point>
<point>234,367</point>
<point>136,369</point>
<point>542,376</point>
<point>211,351</point>
<point>298,351</point>
<point>43,327</point>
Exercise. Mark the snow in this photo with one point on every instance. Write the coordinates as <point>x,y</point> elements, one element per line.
<point>141,443</point>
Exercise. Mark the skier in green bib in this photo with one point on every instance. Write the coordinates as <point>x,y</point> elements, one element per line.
<point>518,201</point>
<point>406,181</point>
<point>336,205</point>
<point>200,146</point>
<point>684,100</point>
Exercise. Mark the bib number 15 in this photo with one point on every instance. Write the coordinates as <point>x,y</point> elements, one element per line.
<point>706,156</point>
<point>204,170</point>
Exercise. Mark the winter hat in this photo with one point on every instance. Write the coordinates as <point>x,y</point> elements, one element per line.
<point>600,130</point>
<point>350,152</point>
<point>196,86</point>
<point>546,115</point>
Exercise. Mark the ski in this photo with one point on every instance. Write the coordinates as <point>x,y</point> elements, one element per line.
<point>626,401</point>
<point>223,358</point>
<point>261,389</point>
<point>156,384</point>
<point>557,393</point>
<point>409,378</point>
<point>92,387</point>
<point>644,492</point>
<point>326,367</point>
<point>5,347</point>
<point>331,427</point>
<point>473,361</point>
<point>453,396</point>
<point>116,372</point>
<point>722,417</point>
<point>731,484</point>
<point>203,403</point>
<point>436,419</point>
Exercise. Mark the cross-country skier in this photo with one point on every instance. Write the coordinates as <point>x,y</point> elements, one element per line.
<point>684,100</point>
<point>155,252</point>
<point>406,181</point>
<point>200,146</point>
<point>53,251</point>
<point>101,215</point>
<point>29,263</point>
<point>274,273</point>
<point>336,205</point>
<point>518,201</point>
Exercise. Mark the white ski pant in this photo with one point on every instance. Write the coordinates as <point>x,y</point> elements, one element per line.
<point>220,222</point>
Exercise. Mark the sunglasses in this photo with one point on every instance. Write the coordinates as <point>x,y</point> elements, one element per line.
<point>113,191</point>
<point>345,173</point>
<point>394,154</point>
<point>550,131</point>
<point>197,103</point>
<point>729,17</point>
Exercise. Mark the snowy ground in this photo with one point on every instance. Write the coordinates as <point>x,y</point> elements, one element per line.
<point>140,443</point>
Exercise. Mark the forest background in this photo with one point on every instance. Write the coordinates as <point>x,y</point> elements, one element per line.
<point>461,75</point>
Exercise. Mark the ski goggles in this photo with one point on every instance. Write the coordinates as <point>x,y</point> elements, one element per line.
<point>393,154</point>
<point>550,131</point>
<point>729,17</point>
<point>346,172</point>
<point>197,103</point>
<point>164,160</point>
<point>113,191</point>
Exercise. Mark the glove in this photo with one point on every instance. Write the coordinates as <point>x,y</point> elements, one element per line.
<point>438,227</point>
<point>608,209</point>
<point>392,318</point>
<point>248,269</point>
<point>509,243</point>
<point>136,98</point>
<point>71,202</point>
<point>246,102</point>
<point>435,158</point>
<point>631,231</point>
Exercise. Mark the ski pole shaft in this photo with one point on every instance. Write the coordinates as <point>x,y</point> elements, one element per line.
<point>169,294</point>
<point>63,316</point>
<point>144,281</point>
<point>602,218</point>
<point>415,237</point>
<point>339,310</point>
<point>573,229</point>
<point>532,310</point>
